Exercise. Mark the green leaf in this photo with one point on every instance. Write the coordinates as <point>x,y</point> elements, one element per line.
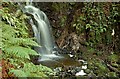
<point>18,51</point>
<point>40,70</point>
<point>112,74</point>
<point>18,73</point>
<point>113,58</point>
<point>88,26</point>
<point>23,41</point>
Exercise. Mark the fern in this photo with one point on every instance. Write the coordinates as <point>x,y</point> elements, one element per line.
<point>18,23</point>
<point>18,73</point>
<point>36,68</point>
<point>23,41</point>
<point>7,31</point>
<point>18,51</point>
<point>39,69</point>
<point>12,45</point>
<point>31,70</point>
<point>16,45</point>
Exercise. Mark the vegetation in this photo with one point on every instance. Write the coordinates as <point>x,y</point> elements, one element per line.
<point>16,45</point>
<point>90,31</point>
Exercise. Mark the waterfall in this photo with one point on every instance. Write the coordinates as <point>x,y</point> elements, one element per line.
<point>48,49</point>
<point>42,32</point>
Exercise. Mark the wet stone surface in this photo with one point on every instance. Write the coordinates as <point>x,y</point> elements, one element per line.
<point>66,71</point>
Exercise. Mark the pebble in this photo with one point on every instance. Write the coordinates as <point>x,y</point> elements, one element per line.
<point>84,67</point>
<point>80,73</point>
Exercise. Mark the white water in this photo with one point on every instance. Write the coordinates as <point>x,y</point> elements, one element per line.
<point>42,32</point>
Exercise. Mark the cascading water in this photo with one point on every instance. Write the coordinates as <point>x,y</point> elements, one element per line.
<point>43,34</point>
<point>41,29</point>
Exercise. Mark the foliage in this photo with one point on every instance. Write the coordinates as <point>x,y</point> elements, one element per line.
<point>94,21</point>
<point>31,70</point>
<point>64,10</point>
<point>16,45</point>
<point>98,67</point>
<point>98,24</point>
<point>60,7</point>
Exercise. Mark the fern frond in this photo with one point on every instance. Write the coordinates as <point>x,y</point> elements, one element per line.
<point>7,31</point>
<point>18,73</point>
<point>23,41</point>
<point>18,51</point>
<point>31,70</point>
<point>36,68</point>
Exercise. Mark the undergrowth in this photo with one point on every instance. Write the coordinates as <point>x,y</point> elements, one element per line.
<point>16,44</point>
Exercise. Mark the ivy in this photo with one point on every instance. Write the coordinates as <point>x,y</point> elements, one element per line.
<point>95,22</point>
